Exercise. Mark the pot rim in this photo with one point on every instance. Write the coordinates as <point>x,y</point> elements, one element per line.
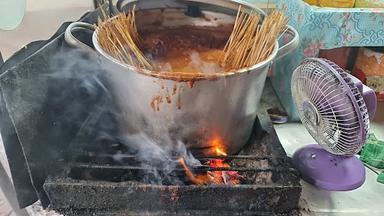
<point>179,77</point>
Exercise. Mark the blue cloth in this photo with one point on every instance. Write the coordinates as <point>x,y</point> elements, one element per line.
<point>323,28</point>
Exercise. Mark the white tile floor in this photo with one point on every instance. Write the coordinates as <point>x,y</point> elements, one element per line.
<point>43,18</point>
<point>366,201</point>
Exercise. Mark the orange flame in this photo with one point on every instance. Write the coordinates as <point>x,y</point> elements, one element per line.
<point>220,152</point>
<point>218,147</point>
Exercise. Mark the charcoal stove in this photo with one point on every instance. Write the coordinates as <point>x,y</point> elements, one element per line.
<point>270,185</point>
<point>59,156</point>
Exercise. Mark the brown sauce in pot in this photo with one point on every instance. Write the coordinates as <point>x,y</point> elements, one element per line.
<point>187,49</point>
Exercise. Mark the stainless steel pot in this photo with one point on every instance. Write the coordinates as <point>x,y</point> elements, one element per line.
<point>215,108</point>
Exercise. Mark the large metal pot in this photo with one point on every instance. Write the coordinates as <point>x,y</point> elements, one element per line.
<point>220,107</point>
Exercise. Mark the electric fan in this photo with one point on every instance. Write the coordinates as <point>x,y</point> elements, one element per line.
<point>336,108</point>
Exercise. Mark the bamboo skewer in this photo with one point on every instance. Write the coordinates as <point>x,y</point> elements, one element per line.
<point>250,41</point>
<point>120,39</point>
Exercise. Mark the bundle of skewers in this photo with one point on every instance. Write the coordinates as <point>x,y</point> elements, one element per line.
<point>252,41</point>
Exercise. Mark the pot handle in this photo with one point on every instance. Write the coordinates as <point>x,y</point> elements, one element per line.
<point>72,40</point>
<point>289,46</point>
<point>119,5</point>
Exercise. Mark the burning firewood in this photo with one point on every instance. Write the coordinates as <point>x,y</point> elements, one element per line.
<point>197,180</point>
<point>213,177</point>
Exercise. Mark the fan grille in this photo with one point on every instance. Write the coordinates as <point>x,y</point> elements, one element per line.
<point>330,106</point>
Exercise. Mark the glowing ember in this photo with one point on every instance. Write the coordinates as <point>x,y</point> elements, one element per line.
<point>214,177</point>
<point>226,177</point>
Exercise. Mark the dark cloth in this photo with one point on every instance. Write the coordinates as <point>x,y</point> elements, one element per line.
<point>37,124</point>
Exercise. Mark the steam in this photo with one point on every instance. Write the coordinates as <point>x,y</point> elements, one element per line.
<point>203,66</point>
<point>167,67</point>
<point>197,64</point>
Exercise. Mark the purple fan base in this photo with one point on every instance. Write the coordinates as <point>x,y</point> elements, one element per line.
<point>327,171</point>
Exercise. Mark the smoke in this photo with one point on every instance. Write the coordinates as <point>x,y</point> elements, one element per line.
<point>159,160</point>
<point>86,97</point>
